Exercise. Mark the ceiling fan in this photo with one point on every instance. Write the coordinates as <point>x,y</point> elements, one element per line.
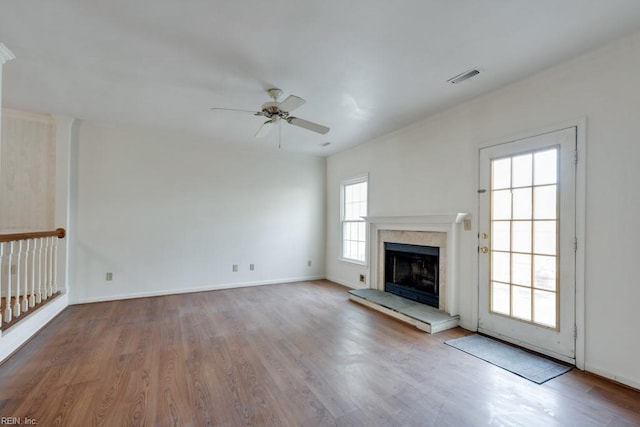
<point>276,111</point>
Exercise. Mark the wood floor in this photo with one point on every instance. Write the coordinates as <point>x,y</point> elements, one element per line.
<point>290,354</point>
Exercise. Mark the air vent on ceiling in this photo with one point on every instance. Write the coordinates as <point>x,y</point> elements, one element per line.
<point>464,76</point>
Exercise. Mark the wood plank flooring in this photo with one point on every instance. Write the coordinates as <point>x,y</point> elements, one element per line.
<point>280,355</point>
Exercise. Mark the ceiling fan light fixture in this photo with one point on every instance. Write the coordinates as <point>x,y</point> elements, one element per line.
<point>464,76</point>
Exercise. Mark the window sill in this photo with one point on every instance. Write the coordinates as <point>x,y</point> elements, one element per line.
<point>353,261</point>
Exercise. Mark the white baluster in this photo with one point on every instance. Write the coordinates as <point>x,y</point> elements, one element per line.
<point>7,310</point>
<point>55,264</point>
<point>44,267</point>
<point>51,279</point>
<point>17,306</point>
<point>45,283</point>
<point>32,297</point>
<point>25,278</point>
<point>40,272</point>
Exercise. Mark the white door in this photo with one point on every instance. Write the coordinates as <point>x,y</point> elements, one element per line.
<point>527,242</point>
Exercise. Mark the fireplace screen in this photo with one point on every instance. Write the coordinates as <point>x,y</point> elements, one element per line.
<point>411,271</point>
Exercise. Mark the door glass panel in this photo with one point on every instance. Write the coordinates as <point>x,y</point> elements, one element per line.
<point>500,296</point>
<point>521,269</point>
<point>501,204</point>
<point>546,167</point>
<point>524,227</point>
<point>544,276</point>
<point>521,236</point>
<point>544,237</point>
<point>522,203</point>
<point>544,308</point>
<point>521,303</point>
<point>501,173</point>
<point>501,235</point>
<point>500,267</point>
<point>522,170</point>
<point>544,199</point>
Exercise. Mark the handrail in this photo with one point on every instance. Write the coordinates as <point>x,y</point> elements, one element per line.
<point>58,232</point>
<point>28,273</point>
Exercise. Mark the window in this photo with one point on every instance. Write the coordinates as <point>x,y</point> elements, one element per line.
<point>354,230</point>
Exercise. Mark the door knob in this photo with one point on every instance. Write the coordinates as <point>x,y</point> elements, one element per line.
<point>484,249</point>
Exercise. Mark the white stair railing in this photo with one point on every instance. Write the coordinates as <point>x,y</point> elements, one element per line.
<point>28,272</point>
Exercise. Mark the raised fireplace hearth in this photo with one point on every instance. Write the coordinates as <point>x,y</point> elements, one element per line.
<point>412,271</point>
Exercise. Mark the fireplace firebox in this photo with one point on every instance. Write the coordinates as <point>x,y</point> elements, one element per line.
<point>411,271</point>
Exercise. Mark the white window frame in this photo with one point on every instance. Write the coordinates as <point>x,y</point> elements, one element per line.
<point>345,183</point>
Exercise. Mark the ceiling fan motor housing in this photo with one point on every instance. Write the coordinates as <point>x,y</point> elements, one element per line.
<point>272,109</point>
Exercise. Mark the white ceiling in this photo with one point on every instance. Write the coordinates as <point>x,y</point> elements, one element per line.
<point>365,67</point>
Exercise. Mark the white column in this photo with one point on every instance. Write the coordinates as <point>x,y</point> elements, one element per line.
<point>66,165</point>
<point>5,55</point>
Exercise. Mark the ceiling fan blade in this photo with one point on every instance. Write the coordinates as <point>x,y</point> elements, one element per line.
<point>291,103</point>
<point>265,128</point>
<point>232,109</point>
<point>308,125</point>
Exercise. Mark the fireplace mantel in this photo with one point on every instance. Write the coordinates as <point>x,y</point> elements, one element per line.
<point>443,223</point>
<point>436,219</point>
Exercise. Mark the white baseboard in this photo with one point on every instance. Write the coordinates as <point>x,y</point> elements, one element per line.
<point>617,378</point>
<point>348,285</point>
<point>192,290</point>
<point>15,337</point>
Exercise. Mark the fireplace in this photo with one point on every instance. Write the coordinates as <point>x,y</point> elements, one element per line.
<point>412,271</point>
<point>439,231</point>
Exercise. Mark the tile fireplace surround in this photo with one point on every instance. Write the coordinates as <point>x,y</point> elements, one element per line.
<point>427,230</point>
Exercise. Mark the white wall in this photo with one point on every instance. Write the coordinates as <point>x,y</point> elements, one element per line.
<point>435,161</point>
<point>168,213</point>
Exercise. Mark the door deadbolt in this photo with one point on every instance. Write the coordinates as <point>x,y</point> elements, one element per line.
<point>484,249</point>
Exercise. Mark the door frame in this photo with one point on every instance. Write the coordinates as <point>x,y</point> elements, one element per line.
<point>580,223</point>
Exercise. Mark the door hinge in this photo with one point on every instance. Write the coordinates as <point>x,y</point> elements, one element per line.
<point>575,157</point>
<point>575,244</point>
<point>575,332</point>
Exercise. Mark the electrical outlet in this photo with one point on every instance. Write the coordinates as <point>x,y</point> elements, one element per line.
<point>363,278</point>
<point>252,267</point>
<point>14,269</point>
<point>309,263</point>
<point>234,268</point>
<point>109,276</point>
